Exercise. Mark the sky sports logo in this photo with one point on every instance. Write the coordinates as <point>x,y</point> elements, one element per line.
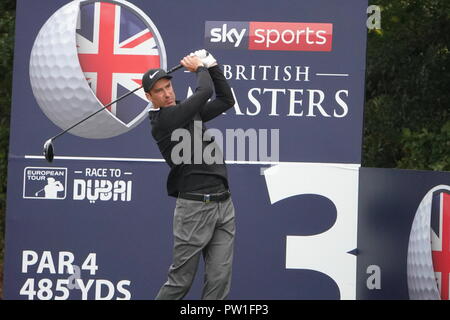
<point>283,36</point>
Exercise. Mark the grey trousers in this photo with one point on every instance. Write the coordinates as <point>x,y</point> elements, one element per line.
<point>201,228</point>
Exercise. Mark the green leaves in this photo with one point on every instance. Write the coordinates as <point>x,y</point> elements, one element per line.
<point>426,149</point>
<point>407,87</point>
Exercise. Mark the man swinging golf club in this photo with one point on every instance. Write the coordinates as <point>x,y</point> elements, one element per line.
<point>203,221</point>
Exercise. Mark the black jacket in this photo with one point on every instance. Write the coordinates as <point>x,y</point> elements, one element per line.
<point>194,176</point>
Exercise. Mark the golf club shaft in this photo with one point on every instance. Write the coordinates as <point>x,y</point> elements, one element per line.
<point>112,102</point>
<point>39,191</point>
<point>88,117</point>
<point>179,66</point>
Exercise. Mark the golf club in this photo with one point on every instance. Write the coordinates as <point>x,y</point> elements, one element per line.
<point>36,194</point>
<point>48,145</point>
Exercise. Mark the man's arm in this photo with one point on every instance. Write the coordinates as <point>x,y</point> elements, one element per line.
<point>177,116</point>
<point>224,97</point>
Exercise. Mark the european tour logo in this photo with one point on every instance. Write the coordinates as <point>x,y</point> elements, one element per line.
<point>282,36</point>
<point>44,183</point>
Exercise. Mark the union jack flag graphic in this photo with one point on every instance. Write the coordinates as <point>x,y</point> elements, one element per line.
<point>440,240</point>
<point>115,48</point>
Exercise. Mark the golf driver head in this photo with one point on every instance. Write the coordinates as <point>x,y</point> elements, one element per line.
<point>48,150</point>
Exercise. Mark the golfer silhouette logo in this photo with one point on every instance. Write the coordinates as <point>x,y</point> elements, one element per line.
<point>51,189</point>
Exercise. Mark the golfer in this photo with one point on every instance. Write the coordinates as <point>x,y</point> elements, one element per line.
<point>52,188</point>
<point>203,222</point>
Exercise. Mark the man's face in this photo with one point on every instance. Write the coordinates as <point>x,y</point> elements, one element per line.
<point>161,94</point>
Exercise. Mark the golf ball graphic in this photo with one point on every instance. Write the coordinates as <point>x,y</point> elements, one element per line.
<point>88,54</point>
<point>428,244</point>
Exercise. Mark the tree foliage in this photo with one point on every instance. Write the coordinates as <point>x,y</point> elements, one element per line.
<point>407,107</point>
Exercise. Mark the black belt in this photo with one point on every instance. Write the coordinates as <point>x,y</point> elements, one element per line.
<point>222,196</point>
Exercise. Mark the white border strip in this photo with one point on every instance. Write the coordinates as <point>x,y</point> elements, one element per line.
<point>348,165</point>
<point>97,158</point>
<point>333,74</point>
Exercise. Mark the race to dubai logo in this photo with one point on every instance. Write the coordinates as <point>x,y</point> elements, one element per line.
<point>86,55</point>
<point>428,262</point>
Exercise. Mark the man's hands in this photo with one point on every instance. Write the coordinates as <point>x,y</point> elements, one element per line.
<point>206,58</point>
<point>191,63</point>
<point>199,58</point>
